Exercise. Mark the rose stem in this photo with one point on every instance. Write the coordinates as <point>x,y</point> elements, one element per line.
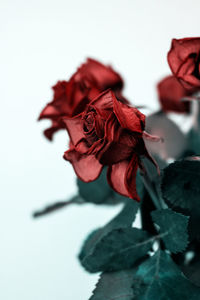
<point>56,206</point>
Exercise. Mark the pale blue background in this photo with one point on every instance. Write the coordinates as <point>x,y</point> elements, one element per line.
<point>43,41</point>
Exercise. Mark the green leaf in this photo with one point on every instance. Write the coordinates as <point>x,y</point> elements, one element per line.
<point>119,249</point>
<point>159,124</point>
<point>192,271</point>
<point>173,229</point>
<point>181,189</point>
<point>124,219</point>
<point>116,286</point>
<point>163,280</point>
<point>180,184</point>
<point>97,191</point>
<point>193,139</point>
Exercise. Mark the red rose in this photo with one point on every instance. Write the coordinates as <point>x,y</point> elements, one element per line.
<point>108,133</point>
<point>71,97</point>
<point>184,61</point>
<point>170,92</point>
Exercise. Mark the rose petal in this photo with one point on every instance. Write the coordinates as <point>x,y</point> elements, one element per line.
<point>180,50</point>
<point>113,153</point>
<point>189,82</point>
<point>103,76</point>
<point>131,178</point>
<point>183,59</point>
<point>104,103</point>
<point>116,177</point>
<point>49,111</point>
<point>74,127</point>
<point>49,132</point>
<point>122,177</point>
<point>112,128</point>
<point>87,167</point>
<point>59,89</point>
<point>152,138</point>
<point>129,117</point>
<point>170,92</point>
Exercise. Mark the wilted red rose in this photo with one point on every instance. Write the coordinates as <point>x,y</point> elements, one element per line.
<point>184,61</point>
<point>170,93</point>
<point>108,133</point>
<point>71,97</point>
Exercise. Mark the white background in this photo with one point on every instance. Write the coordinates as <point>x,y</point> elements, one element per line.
<point>43,41</point>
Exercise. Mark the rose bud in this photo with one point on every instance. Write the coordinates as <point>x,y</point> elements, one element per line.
<point>171,93</point>
<point>184,61</point>
<point>71,97</point>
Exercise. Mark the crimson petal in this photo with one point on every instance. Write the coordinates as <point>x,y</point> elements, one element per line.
<point>122,177</point>
<point>129,117</point>
<point>104,102</point>
<point>75,128</point>
<point>170,92</point>
<point>49,132</point>
<point>86,167</point>
<point>104,76</point>
<point>49,111</point>
<point>180,50</point>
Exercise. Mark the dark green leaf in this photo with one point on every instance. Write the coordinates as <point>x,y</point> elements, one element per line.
<point>181,190</point>
<point>119,249</point>
<point>192,272</point>
<point>97,191</point>
<point>163,280</point>
<point>173,229</point>
<point>193,139</point>
<point>116,286</point>
<point>124,219</point>
<point>180,184</point>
